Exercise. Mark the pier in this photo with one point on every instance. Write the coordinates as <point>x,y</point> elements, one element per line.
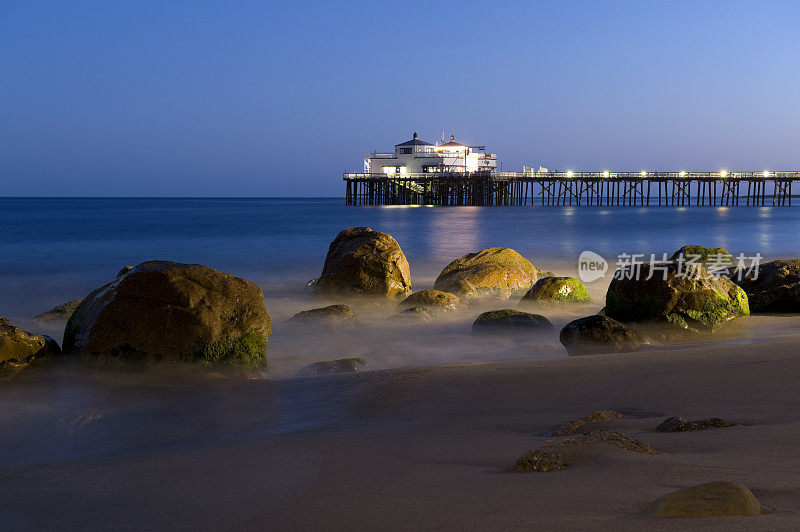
<point>721,188</point>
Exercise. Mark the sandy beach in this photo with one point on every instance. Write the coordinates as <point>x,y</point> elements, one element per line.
<point>409,448</point>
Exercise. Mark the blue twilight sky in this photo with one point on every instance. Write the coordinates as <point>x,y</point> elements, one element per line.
<point>265,98</point>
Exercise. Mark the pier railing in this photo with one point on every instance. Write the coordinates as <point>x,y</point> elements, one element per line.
<point>643,188</point>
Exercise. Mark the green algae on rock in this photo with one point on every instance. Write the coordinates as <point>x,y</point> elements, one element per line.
<point>423,314</point>
<point>714,499</point>
<point>510,321</point>
<point>163,311</point>
<point>332,315</point>
<point>555,290</point>
<point>703,255</point>
<point>693,299</point>
<point>363,262</point>
<point>492,272</point>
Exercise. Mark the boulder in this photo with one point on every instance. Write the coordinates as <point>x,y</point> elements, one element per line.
<point>678,424</point>
<point>361,262</point>
<point>595,335</point>
<point>714,499</point>
<point>415,313</point>
<point>511,321</point>
<point>433,299</point>
<point>685,298</point>
<point>343,365</point>
<point>556,290</point>
<point>492,272</point>
<point>168,311</point>
<point>776,287</point>
<point>59,313</point>
<point>19,348</point>
<point>330,316</point>
<point>719,258</point>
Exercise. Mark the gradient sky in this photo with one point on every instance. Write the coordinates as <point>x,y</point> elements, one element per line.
<point>254,98</point>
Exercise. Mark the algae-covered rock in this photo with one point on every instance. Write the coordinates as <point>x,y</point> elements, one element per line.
<point>330,316</point>
<point>714,499</point>
<point>60,312</point>
<point>19,348</point>
<point>363,262</point>
<point>678,424</point>
<point>597,334</point>
<point>685,298</point>
<point>434,299</point>
<point>510,321</point>
<point>492,272</point>
<point>555,290</point>
<point>167,311</point>
<point>342,365</point>
<point>415,313</point>
<point>774,287</point>
<point>719,258</point>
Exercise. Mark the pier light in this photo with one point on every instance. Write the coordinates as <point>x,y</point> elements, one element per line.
<point>766,173</point>
<point>606,174</point>
<point>643,173</point>
<point>569,173</point>
<point>682,173</point>
<point>723,173</point>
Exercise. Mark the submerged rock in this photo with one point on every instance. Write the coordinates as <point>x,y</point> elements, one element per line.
<point>776,287</point>
<point>361,262</point>
<point>492,272</point>
<point>595,335</point>
<point>557,456</point>
<point>59,313</point>
<point>714,499</point>
<point>678,424</point>
<point>593,417</point>
<point>434,299</point>
<point>167,311</point>
<point>330,316</point>
<point>342,365</point>
<point>511,321</point>
<point>554,290</point>
<point>416,313</point>
<point>18,348</point>
<point>687,299</point>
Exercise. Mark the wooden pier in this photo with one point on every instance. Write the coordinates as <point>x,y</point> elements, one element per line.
<point>573,188</point>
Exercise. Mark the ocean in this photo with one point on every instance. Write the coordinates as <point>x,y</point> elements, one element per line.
<point>55,250</point>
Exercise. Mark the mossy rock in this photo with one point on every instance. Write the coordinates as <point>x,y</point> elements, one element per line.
<point>363,262</point>
<point>434,299</point>
<point>18,348</point>
<point>330,316</point>
<point>693,299</point>
<point>342,365</point>
<point>492,272</point>
<point>163,311</point>
<point>595,335</point>
<point>714,499</point>
<point>511,321</point>
<point>695,254</point>
<point>555,290</point>
<point>776,288</point>
<point>60,312</point>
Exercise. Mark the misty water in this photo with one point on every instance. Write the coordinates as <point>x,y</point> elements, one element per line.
<point>56,250</point>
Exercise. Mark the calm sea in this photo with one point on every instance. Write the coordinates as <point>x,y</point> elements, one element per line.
<point>55,250</point>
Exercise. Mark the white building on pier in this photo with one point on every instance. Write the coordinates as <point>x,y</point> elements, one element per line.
<point>416,156</point>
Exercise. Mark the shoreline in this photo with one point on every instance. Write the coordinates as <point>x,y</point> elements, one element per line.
<point>414,447</point>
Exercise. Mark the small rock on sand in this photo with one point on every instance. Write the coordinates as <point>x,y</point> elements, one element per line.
<point>715,499</point>
<point>342,365</point>
<point>594,417</point>
<point>678,424</point>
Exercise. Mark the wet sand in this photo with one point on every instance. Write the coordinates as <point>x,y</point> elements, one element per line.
<point>406,448</point>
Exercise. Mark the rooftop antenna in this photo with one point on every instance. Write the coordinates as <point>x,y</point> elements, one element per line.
<point>443,136</point>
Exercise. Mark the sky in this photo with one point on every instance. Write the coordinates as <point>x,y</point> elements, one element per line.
<point>265,98</point>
